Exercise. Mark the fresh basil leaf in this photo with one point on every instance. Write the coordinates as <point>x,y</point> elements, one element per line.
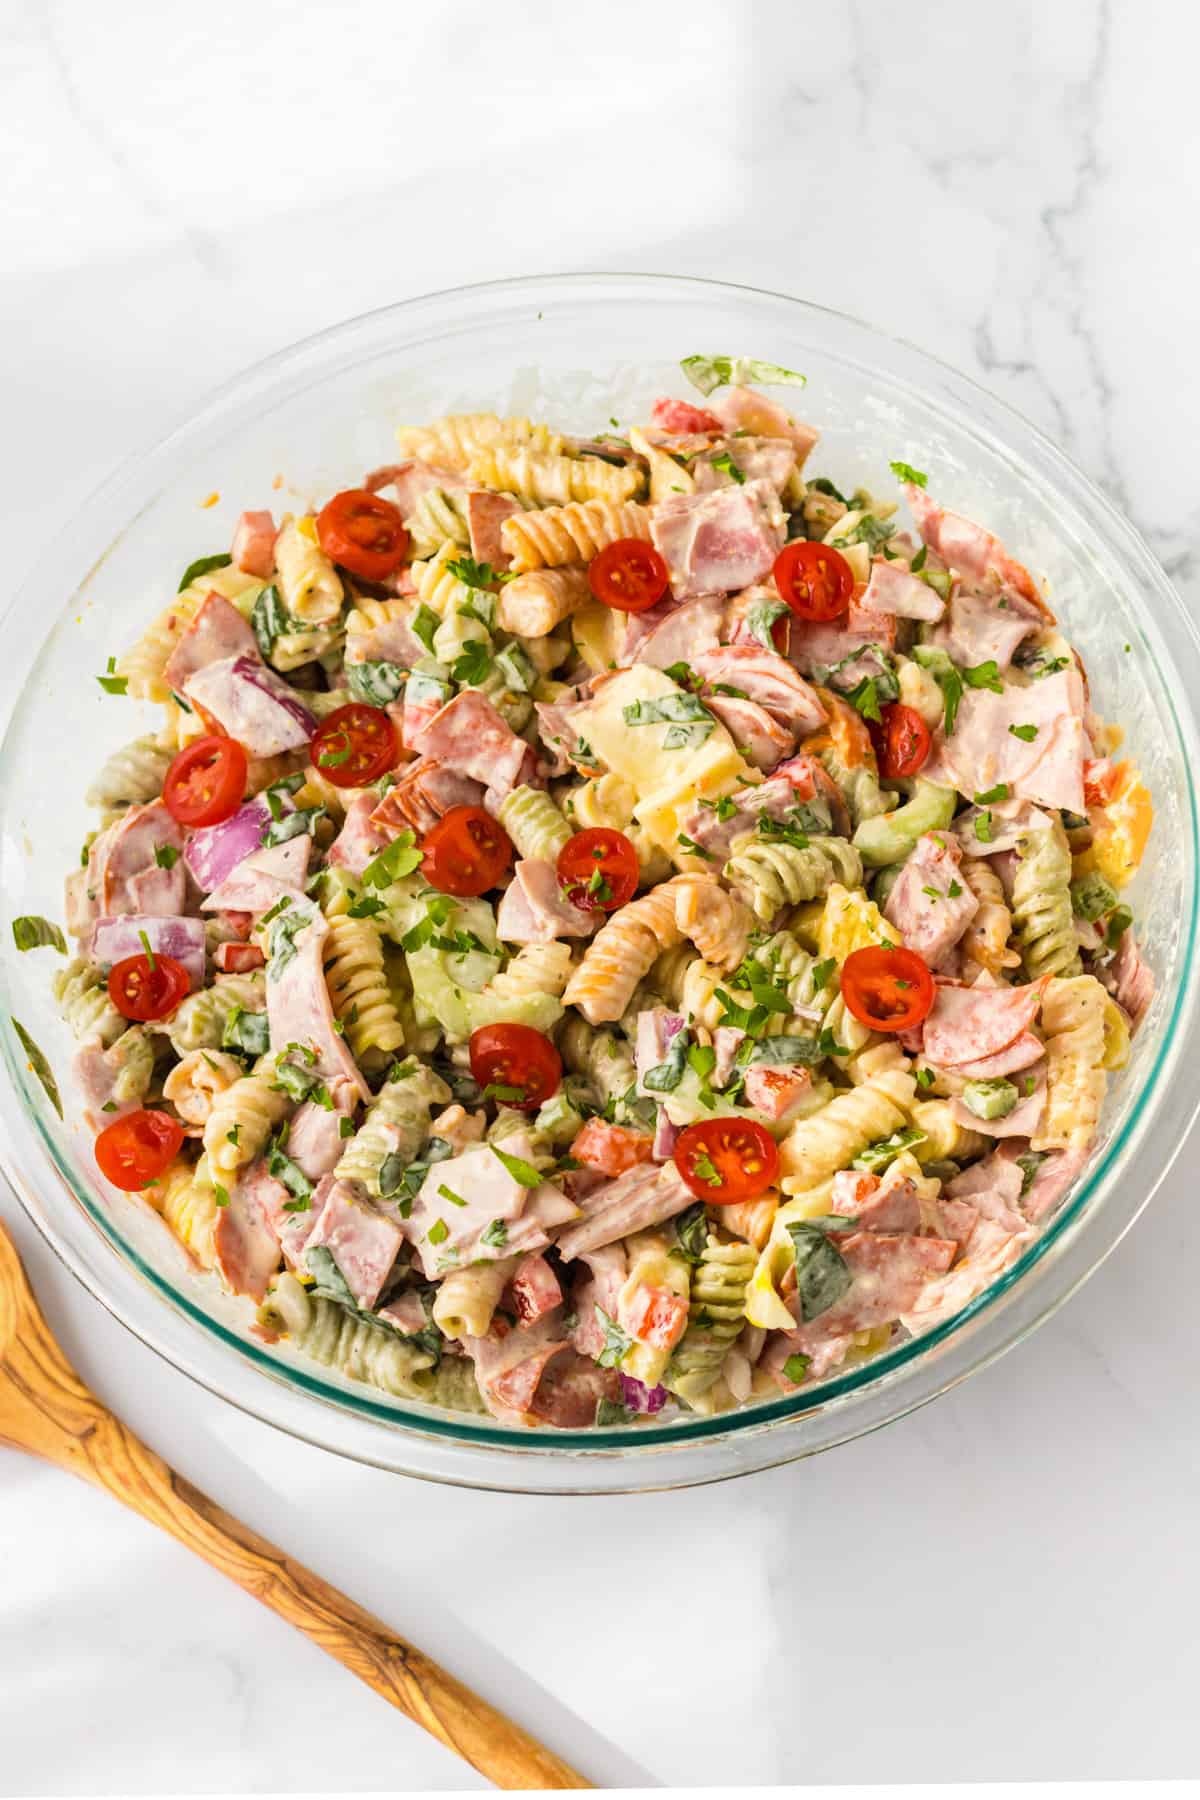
<point>880,1155</point>
<point>329,1282</point>
<point>762,617</point>
<point>691,1233</point>
<point>203,565</point>
<point>665,1077</point>
<point>376,683</point>
<point>786,1051</point>
<point>822,1276</point>
<point>31,932</point>
<point>1029,1164</point>
<point>300,823</point>
<point>725,463</point>
<point>423,624</point>
<point>518,1168</point>
<point>472,665</point>
<point>270,620</point>
<point>247,1032</point>
<point>40,1067</point>
<point>707,373</point>
<point>399,859</point>
<point>984,675</point>
<point>616,1342</point>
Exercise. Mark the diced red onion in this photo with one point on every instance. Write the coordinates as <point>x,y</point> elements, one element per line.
<point>640,1398</point>
<point>665,1135</point>
<point>212,852</point>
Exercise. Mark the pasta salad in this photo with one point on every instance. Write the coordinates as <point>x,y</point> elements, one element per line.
<point>607,926</point>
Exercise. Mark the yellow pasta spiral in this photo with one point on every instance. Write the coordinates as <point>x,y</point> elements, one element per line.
<point>571,534</point>
<point>553,480</point>
<point>358,987</point>
<point>459,438</point>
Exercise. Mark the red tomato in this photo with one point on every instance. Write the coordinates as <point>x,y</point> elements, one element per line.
<point>629,575</point>
<point>135,1150</point>
<point>613,1149</point>
<point>355,745</point>
<point>238,959</point>
<point>363,533</point>
<point>901,741</point>
<point>598,868</point>
<point>1100,778</point>
<point>466,852</point>
<point>206,781</point>
<point>141,989</point>
<point>889,990</point>
<point>518,1059</point>
<point>724,1161</point>
<point>657,1317</point>
<point>680,417</point>
<point>815,580</point>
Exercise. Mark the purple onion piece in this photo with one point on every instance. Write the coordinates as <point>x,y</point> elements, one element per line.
<point>640,1398</point>
<point>214,851</point>
<point>248,668</point>
<point>665,1136</point>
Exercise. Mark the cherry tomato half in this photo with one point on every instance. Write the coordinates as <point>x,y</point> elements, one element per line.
<point>206,781</point>
<point>629,575</point>
<point>901,741</point>
<point>141,989</point>
<point>355,745</point>
<point>889,990</point>
<point>598,869</point>
<point>815,580</point>
<point>466,853</point>
<point>727,1160</point>
<point>363,533</point>
<point>517,1059</point>
<point>135,1150</point>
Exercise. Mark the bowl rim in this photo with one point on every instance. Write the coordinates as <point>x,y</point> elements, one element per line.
<point>633,1446</point>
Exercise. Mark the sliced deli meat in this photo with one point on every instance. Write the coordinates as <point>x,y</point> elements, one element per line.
<point>217,633</point>
<point>533,910</point>
<point>895,589</point>
<point>930,903</point>
<point>298,1005</point>
<point>469,736</point>
<point>967,1024</point>
<point>253,704</point>
<point>363,1242</point>
<point>721,541</point>
<point>253,546</point>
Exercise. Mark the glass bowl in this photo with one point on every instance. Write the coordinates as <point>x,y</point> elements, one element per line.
<point>575,350</point>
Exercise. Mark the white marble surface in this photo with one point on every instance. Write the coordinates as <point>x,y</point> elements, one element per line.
<point>1001,1586</point>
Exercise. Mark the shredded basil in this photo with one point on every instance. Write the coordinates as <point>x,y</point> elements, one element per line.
<point>31,932</point>
<point>822,1276</point>
<point>710,372</point>
<point>40,1067</point>
<point>376,683</point>
<point>203,565</point>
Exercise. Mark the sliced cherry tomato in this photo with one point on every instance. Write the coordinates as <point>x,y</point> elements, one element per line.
<point>889,990</point>
<point>355,745</point>
<point>144,988</point>
<point>598,869</point>
<point>519,1061</point>
<point>206,781</point>
<point>727,1160</point>
<point>466,853</point>
<point>363,533</point>
<point>901,741</point>
<point>815,580</point>
<point>629,575</point>
<point>134,1151</point>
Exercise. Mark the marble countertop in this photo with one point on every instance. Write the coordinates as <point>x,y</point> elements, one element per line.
<point>994,1588</point>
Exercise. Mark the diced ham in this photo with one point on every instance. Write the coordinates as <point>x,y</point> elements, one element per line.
<point>1022,1053</point>
<point>570,1391</point>
<point>894,589</point>
<point>363,1242</point>
<point>1052,1179</point>
<point>509,1364</point>
<point>767,678</point>
<point>247,1250</point>
<point>668,633</point>
<point>253,547</point>
<point>361,839</point>
<point>888,1273</point>
<point>425,792</point>
<point>678,416</point>
<point>978,629</point>
<point>930,904</point>
<point>123,873</point>
<point>607,1272</point>
<point>759,737</point>
<point>486,513</point>
<point>814,647</point>
<point>1025,1116</point>
<point>409,480</point>
<point>1010,821</point>
<point>264,878</point>
<point>776,1092</point>
<point>315,1142</point>
<point>811,780</point>
<point>532,909</point>
<point>720,541</point>
<point>292,1222</point>
<point>742,409</point>
<point>469,736</point>
<point>298,1006</point>
<point>775,799</point>
<point>890,1205</point>
<point>393,641</point>
<point>534,1289</point>
<point>405,1313</point>
<point>252,704</point>
<point>96,1071</point>
<point>966,1024</point>
<point>113,940</point>
<point>984,748</point>
<point>217,633</point>
<point>613,1149</point>
<point>972,551</point>
<point>1129,979</point>
<point>769,459</point>
<point>489,1193</point>
<point>237,959</point>
<point>646,1195</point>
<point>993,1185</point>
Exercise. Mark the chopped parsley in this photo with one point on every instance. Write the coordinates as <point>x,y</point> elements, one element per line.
<point>399,859</point>
<point>984,675</point>
<point>438,1232</point>
<point>496,1235</point>
<point>1026,733</point>
<point>795,1367</point>
<point>693,848</point>
<point>616,1342</point>
<point>472,664</point>
<point>520,1170</point>
<point>725,463</point>
<point>166,856</point>
<point>448,1193</point>
<point>110,682</point>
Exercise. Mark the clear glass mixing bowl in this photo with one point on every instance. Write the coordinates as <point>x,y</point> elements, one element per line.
<point>576,350</point>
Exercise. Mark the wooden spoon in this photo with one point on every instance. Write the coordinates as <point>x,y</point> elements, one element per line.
<point>45,1409</point>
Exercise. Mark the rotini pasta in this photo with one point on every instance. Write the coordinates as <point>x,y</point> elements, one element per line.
<point>571,534</point>
<point>1041,904</point>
